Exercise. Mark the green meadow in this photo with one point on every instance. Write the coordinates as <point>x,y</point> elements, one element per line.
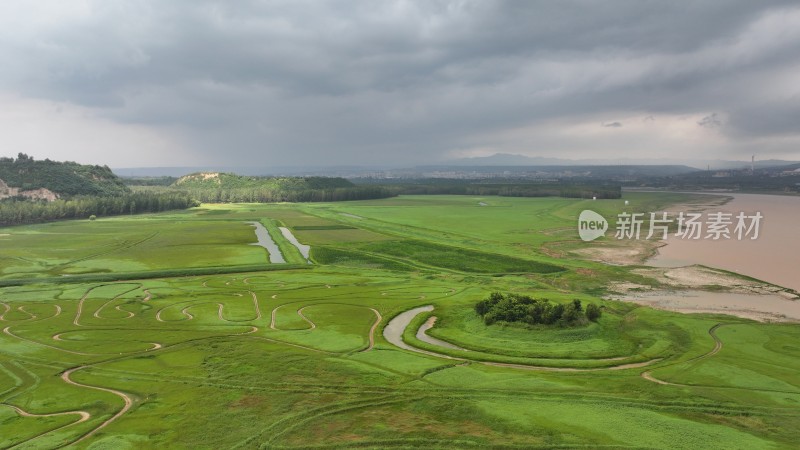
<point>172,330</point>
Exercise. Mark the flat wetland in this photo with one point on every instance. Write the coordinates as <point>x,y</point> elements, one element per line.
<point>174,330</point>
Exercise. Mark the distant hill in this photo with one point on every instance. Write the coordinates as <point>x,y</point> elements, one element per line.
<point>553,171</point>
<point>48,180</point>
<point>505,159</point>
<point>216,180</point>
<point>216,187</point>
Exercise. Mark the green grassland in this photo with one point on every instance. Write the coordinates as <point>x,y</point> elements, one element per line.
<point>194,340</point>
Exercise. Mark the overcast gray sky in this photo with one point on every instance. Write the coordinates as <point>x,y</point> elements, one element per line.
<point>194,82</point>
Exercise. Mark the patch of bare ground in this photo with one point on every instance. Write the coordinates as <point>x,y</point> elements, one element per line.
<point>619,253</point>
<point>699,289</point>
<point>758,307</point>
<point>701,277</point>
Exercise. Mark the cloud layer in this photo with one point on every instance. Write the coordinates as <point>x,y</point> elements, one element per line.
<point>152,83</point>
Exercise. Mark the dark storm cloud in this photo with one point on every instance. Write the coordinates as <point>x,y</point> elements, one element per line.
<point>400,81</point>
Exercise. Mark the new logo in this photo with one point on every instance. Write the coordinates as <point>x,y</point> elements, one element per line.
<point>591,225</point>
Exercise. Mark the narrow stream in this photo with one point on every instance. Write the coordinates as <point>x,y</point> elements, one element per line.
<point>265,240</point>
<point>304,249</point>
<point>393,332</point>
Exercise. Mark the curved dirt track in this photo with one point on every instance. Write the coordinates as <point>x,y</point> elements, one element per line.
<point>85,306</point>
<point>393,332</point>
<point>21,309</point>
<point>255,305</point>
<point>300,313</point>
<point>93,310</point>
<point>7,330</point>
<point>186,313</point>
<point>83,417</point>
<point>128,402</point>
<point>31,316</point>
<point>378,319</point>
<point>647,375</point>
<point>129,314</point>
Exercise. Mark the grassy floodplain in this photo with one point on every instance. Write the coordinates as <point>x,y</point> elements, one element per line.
<point>232,352</point>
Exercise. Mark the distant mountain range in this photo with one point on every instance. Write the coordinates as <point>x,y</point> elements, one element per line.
<point>499,160</point>
<point>505,159</point>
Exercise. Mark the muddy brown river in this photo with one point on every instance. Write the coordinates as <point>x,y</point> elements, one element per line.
<point>773,257</point>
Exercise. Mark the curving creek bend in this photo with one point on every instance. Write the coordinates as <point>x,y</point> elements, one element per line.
<point>393,332</point>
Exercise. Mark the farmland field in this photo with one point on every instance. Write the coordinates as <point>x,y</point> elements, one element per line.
<point>172,331</point>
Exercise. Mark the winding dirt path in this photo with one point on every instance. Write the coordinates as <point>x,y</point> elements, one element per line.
<point>255,304</point>
<point>184,311</point>
<point>31,316</point>
<point>129,313</point>
<point>274,312</point>
<point>7,309</point>
<point>77,320</point>
<point>648,375</point>
<point>253,329</point>
<point>115,298</point>
<point>7,330</point>
<point>300,313</point>
<point>187,314</point>
<point>83,416</point>
<point>128,401</point>
<point>158,315</point>
<point>378,319</point>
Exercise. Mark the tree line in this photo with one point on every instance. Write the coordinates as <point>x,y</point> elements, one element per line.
<point>522,308</point>
<point>15,211</point>
<point>267,195</point>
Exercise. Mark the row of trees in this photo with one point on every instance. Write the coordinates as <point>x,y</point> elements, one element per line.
<point>265,195</point>
<point>18,212</point>
<point>522,308</point>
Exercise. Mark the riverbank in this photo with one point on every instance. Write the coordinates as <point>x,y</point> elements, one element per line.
<point>773,257</point>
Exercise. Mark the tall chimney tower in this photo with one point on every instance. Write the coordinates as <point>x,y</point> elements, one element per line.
<point>753,164</point>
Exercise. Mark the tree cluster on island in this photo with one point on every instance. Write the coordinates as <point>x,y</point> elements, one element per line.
<point>525,309</point>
